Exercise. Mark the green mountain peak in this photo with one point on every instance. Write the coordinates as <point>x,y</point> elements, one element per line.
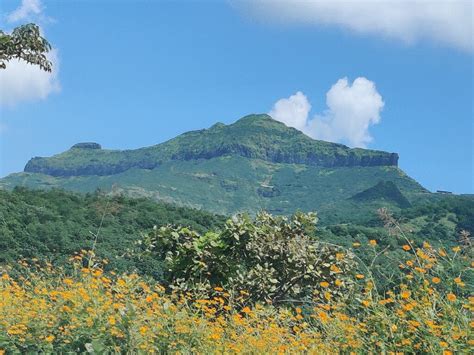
<point>255,136</point>
<point>252,164</point>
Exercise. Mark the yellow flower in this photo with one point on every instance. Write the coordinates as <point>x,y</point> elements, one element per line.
<point>457,249</point>
<point>409,263</point>
<point>436,280</point>
<point>324,284</point>
<point>49,338</point>
<point>356,244</point>
<point>247,310</point>
<point>443,344</point>
<point>406,247</point>
<point>366,303</point>
<point>112,320</point>
<point>458,280</point>
<point>373,242</point>
<point>451,297</point>
<point>426,245</point>
<point>218,289</point>
<point>338,282</point>
<point>215,336</point>
<point>405,294</point>
<point>143,330</point>
<point>360,276</point>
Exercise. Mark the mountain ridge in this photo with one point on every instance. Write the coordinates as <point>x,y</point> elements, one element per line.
<point>253,136</point>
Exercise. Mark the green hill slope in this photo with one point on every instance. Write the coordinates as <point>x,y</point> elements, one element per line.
<point>55,224</point>
<point>256,163</point>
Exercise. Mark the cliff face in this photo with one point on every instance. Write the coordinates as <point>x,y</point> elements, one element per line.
<point>255,137</point>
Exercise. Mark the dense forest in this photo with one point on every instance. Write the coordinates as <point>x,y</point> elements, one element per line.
<point>55,224</point>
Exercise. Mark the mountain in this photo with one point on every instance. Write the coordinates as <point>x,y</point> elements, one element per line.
<point>255,163</point>
<point>384,190</point>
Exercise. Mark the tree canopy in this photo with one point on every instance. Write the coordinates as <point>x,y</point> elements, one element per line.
<point>25,43</point>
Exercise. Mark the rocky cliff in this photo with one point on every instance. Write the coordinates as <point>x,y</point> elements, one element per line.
<point>254,137</point>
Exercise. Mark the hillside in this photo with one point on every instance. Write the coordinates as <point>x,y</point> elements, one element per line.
<point>384,190</point>
<point>55,224</point>
<point>256,163</point>
<point>254,136</point>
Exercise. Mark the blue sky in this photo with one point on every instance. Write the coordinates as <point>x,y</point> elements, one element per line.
<point>133,74</point>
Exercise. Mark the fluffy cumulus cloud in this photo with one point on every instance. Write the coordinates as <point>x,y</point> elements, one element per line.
<point>449,22</point>
<point>351,110</point>
<point>23,82</point>
<point>292,111</point>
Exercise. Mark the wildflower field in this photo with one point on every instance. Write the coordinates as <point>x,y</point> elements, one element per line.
<point>82,308</point>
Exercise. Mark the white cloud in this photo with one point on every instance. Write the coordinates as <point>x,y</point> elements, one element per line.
<point>352,109</point>
<point>449,22</point>
<point>27,9</point>
<point>292,111</point>
<point>23,82</point>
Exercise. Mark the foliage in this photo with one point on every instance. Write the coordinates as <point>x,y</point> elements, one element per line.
<point>274,259</point>
<point>25,43</point>
<point>44,309</point>
<point>54,224</point>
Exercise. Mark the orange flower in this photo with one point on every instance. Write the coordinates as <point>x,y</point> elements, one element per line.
<point>360,276</point>
<point>406,247</point>
<point>246,310</point>
<point>324,284</point>
<point>436,280</point>
<point>373,242</point>
<point>405,294</point>
<point>451,297</point>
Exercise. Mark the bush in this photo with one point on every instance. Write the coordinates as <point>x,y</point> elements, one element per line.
<point>273,259</point>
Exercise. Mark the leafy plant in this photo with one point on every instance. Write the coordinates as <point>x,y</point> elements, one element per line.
<point>273,259</point>
<point>25,43</point>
